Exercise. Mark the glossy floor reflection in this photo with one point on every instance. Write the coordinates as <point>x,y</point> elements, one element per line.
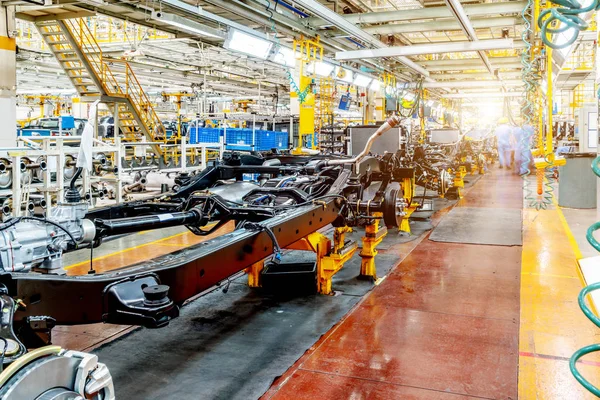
<point>443,324</point>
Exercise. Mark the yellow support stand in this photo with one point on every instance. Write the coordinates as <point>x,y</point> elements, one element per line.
<point>474,168</point>
<point>408,190</point>
<point>373,236</point>
<point>329,261</point>
<point>254,272</point>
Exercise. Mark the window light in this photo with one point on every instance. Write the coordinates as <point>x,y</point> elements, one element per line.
<point>248,44</point>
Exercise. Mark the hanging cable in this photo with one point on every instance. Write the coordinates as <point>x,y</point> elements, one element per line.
<point>301,93</point>
<point>527,108</point>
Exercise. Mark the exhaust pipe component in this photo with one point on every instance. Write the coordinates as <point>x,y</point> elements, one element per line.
<point>135,187</point>
<point>387,125</point>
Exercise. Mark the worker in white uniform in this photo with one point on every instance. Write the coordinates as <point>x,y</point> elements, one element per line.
<point>504,136</point>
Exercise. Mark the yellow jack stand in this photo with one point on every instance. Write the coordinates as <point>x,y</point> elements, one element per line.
<point>408,190</point>
<point>373,236</point>
<point>405,224</point>
<point>328,262</point>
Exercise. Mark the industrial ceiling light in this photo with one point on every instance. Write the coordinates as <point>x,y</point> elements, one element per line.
<point>187,25</point>
<point>285,56</point>
<point>248,44</point>
<point>362,80</point>
<point>322,68</point>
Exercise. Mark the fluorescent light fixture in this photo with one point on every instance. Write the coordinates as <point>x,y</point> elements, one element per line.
<point>187,25</point>
<point>322,69</point>
<point>375,85</point>
<point>248,44</point>
<point>344,74</point>
<point>46,91</point>
<point>362,80</point>
<point>285,56</point>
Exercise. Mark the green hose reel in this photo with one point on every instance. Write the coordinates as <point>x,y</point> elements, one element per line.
<point>568,14</point>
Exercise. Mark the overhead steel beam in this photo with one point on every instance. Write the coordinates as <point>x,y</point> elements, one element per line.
<point>440,76</point>
<point>478,67</point>
<point>483,95</point>
<point>467,84</point>
<point>420,49</point>
<point>353,30</point>
<point>467,61</point>
<point>461,16</point>
<point>505,7</point>
<point>448,25</point>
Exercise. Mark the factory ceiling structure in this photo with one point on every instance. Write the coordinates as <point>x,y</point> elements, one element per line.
<point>455,46</point>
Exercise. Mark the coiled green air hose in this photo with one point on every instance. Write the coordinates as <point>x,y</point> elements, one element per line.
<point>584,307</point>
<point>568,16</point>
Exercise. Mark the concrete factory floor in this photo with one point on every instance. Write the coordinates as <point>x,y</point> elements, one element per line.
<point>450,320</point>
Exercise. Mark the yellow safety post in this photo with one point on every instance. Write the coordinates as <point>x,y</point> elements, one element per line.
<point>373,236</point>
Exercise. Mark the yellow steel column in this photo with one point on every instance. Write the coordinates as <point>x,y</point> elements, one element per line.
<point>307,109</point>
<point>8,78</point>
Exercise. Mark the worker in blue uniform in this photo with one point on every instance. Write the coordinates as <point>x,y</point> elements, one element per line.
<point>522,137</point>
<point>504,139</point>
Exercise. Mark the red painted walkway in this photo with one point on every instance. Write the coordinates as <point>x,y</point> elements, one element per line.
<point>444,324</point>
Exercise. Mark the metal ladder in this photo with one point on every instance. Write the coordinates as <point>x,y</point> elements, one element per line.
<point>82,60</point>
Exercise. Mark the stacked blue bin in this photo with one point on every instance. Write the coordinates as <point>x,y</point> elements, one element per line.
<point>204,135</point>
<point>240,139</point>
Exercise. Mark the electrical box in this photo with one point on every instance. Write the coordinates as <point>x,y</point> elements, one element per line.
<point>345,102</point>
<point>588,128</point>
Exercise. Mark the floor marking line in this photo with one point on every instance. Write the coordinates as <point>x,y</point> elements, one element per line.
<point>557,358</point>
<point>126,250</point>
<point>316,371</point>
<point>567,229</point>
<point>551,275</point>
